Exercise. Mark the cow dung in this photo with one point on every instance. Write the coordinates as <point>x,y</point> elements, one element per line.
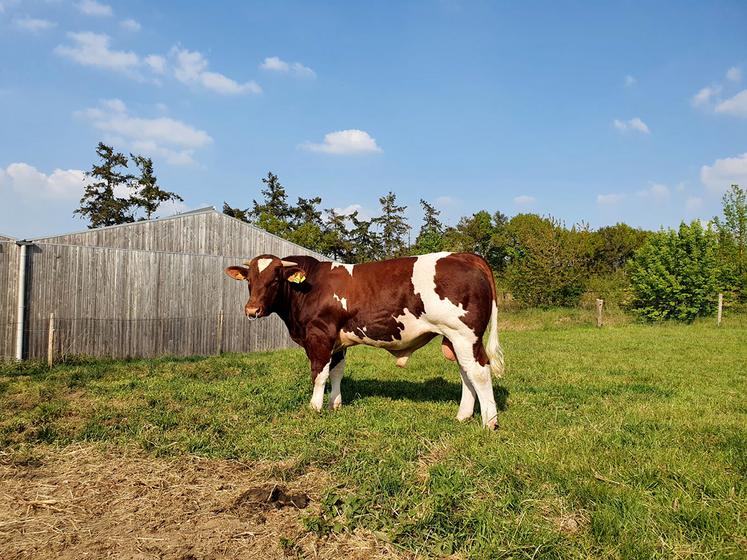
<point>271,495</point>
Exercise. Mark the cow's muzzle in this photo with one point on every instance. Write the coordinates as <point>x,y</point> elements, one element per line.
<point>253,312</point>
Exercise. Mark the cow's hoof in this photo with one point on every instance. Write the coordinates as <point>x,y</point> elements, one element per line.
<point>463,417</point>
<point>315,406</point>
<point>337,405</point>
<point>492,425</point>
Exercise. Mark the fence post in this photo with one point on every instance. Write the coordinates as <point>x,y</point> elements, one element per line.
<point>50,341</point>
<point>219,333</point>
<point>600,304</point>
<point>720,307</point>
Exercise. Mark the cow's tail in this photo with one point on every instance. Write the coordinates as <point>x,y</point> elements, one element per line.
<point>493,348</point>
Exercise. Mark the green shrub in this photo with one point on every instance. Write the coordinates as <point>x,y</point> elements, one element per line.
<point>674,274</point>
<point>548,264</point>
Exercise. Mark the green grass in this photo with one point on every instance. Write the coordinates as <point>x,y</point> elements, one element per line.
<point>626,442</point>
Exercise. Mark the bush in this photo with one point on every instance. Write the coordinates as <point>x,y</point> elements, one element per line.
<point>548,264</point>
<point>674,274</point>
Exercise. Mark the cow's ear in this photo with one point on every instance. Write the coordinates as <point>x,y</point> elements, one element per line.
<point>294,275</point>
<point>238,272</point>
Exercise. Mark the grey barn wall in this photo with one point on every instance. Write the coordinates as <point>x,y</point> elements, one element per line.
<point>141,290</point>
<point>8,297</point>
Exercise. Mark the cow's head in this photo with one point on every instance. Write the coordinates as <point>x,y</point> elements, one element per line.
<point>265,275</point>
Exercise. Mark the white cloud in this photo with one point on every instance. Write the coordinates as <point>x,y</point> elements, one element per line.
<point>524,200</point>
<point>735,106</point>
<point>734,74</point>
<point>344,142</point>
<point>633,124</point>
<point>656,191</point>
<point>348,210</point>
<point>610,199</point>
<point>630,80</point>
<point>275,64</point>
<point>724,172</point>
<point>130,24</point>
<point>92,49</point>
<point>447,201</point>
<point>705,95</point>
<point>164,137</point>
<point>32,24</point>
<point>29,182</point>
<point>93,8</point>
<point>191,68</point>
<point>172,207</point>
<point>156,63</point>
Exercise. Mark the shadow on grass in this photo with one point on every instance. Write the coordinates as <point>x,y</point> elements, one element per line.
<point>435,389</point>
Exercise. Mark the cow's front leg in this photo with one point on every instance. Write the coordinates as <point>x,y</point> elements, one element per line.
<point>319,350</point>
<point>335,375</point>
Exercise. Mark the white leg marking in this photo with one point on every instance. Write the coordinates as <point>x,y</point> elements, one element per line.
<point>263,263</point>
<point>467,404</point>
<point>317,398</point>
<point>481,380</point>
<point>335,376</point>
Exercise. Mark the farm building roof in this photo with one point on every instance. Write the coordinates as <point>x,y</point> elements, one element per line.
<point>204,231</point>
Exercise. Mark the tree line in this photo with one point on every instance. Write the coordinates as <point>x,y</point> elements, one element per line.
<point>537,260</point>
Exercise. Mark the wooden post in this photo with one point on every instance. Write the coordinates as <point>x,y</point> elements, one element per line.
<point>600,304</point>
<point>50,341</point>
<point>219,334</point>
<point>720,307</point>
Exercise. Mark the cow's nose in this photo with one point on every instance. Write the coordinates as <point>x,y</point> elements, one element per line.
<point>251,312</point>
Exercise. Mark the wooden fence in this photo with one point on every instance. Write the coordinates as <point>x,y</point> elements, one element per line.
<point>129,302</point>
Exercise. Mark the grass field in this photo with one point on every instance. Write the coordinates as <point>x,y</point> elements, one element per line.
<point>622,442</point>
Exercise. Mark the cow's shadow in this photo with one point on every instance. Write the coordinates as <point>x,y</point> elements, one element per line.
<point>435,389</point>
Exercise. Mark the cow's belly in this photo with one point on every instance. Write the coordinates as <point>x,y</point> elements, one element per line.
<point>409,333</point>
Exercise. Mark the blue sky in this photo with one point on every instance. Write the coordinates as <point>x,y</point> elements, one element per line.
<point>586,111</point>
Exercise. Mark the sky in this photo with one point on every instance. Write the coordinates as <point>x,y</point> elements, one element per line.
<point>591,112</point>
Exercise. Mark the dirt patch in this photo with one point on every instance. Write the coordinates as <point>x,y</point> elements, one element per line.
<point>90,502</point>
<point>275,496</point>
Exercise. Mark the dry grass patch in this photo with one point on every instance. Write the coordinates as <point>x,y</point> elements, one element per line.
<point>84,501</point>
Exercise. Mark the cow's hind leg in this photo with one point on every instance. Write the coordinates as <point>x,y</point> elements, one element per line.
<point>335,376</point>
<point>467,404</point>
<point>474,363</point>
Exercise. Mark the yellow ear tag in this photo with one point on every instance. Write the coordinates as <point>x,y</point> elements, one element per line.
<point>297,277</point>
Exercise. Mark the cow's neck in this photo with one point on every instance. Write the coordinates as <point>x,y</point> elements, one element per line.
<point>288,305</point>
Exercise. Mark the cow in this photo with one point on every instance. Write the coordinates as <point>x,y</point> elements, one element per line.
<point>398,305</point>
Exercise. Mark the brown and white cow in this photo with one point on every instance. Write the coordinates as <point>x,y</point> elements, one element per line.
<point>397,304</point>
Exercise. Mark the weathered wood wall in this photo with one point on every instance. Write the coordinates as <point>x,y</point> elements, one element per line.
<point>148,289</point>
<point>8,297</point>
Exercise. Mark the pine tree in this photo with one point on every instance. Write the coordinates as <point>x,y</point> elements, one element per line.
<point>237,213</point>
<point>306,211</point>
<point>336,242</point>
<point>393,226</point>
<point>99,203</point>
<point>430,237</point>
<point>275,204</point>
<point>149,195</point>
<point>366,244</point>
